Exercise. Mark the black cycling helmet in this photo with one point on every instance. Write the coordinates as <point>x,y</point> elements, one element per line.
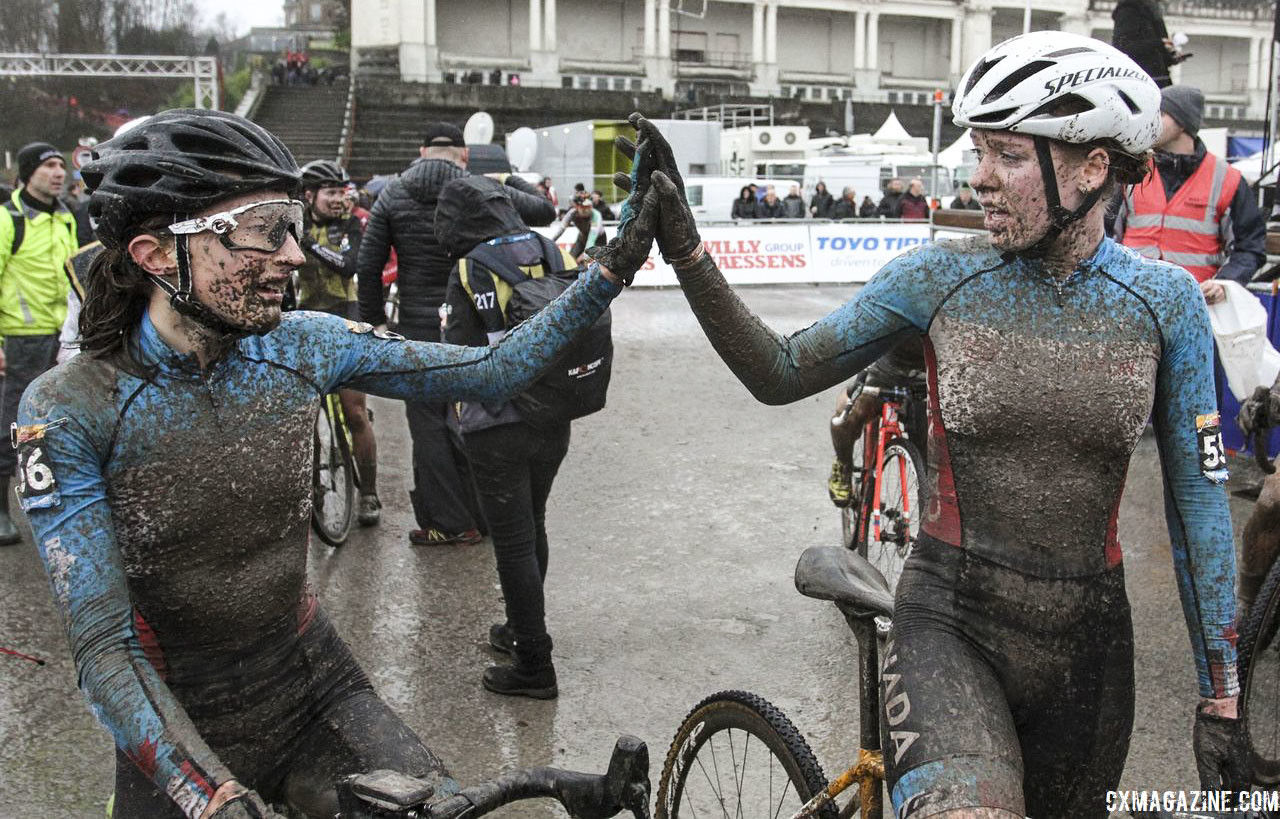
<point>174,164</point>
<point>179,162</point>
<point>324,173</point>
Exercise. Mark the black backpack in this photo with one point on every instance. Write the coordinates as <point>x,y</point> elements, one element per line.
<point>578,382</point>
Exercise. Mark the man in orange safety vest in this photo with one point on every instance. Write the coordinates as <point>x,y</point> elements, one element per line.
<point>1194,210</point>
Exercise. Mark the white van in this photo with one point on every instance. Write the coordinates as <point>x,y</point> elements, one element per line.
<point>711,197</point>
<point>867,175</point>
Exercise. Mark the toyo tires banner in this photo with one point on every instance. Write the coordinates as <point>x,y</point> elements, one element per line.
<point>789,253</point>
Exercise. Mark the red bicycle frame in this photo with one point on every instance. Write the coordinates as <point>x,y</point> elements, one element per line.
<point>888,428</point>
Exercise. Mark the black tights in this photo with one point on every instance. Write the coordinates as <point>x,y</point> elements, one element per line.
<point>514,466</point>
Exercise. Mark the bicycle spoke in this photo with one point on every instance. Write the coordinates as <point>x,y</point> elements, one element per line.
<point>782,798</point>
<point>710,784</point>
<point>745,746</point>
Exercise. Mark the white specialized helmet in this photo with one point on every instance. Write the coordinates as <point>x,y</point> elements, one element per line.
<point>1016,85</point>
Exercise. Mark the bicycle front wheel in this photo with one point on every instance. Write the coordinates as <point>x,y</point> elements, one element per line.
<point>850,514</point>
<point>900,511</point>
<point>737,755</point>
<point>333,500</point>
<point>1260,665</point>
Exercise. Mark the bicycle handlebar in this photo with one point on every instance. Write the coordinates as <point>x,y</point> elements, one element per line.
<point>625,786</point>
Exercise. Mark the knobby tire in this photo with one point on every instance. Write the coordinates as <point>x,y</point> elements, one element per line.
<point>726,730</point>
<point>333,507</point>
<point>1260,673</point>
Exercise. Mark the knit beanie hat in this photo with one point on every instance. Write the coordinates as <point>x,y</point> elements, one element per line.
<point>33,156</point>
<point>1185,104</point>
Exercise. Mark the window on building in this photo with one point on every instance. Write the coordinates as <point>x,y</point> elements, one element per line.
<point>317,12</point>
<point>635,85</point>
<point>602,83</point>
<point>566,82</point>
<point>584,82</point>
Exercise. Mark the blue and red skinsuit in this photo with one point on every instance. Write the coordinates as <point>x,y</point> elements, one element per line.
<point>171,507</point>
<point>1039,391</point>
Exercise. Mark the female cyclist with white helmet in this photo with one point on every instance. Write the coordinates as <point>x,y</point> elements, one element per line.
<point>1007,686</point>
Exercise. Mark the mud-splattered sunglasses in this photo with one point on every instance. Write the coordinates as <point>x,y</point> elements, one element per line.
<point>260,226</point>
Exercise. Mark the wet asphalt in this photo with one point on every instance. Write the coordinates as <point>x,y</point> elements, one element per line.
<point>675,525</point>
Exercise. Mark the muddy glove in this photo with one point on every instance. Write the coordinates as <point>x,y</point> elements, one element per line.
<point>245,805</point>
<point>677,232</point>
<point>1262,409</point>
<point>629,250</point>
<point>1222,752</point>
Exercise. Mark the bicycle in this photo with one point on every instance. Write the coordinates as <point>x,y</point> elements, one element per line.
<point>391,795</point>
<point>1260,659</point>
<point>334,474</point>
<point>692,785</point>
<point>882,519</point>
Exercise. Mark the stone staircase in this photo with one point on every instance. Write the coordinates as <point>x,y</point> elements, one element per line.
<point>307,118</point>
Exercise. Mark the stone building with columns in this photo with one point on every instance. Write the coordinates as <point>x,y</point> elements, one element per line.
<point>894,51</point>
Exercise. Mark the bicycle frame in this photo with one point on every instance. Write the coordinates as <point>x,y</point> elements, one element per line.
<point>888,429</point>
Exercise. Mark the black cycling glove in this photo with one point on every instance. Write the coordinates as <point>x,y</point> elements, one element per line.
<point>629,250</point>
<point>1262,409</point>
<point>1222,752</point>
<point>677,232</point>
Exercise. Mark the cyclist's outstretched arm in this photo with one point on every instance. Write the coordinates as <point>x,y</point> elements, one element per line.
<point>65,500</point>
<point>424,371</point>
<point>780,369</point>
<point>1195,469</point>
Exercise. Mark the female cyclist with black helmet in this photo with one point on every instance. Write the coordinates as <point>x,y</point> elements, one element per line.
<point>1007,687</point>
<point>167,475</point>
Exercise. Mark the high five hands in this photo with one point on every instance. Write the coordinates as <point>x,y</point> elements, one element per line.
<point>655,208</point>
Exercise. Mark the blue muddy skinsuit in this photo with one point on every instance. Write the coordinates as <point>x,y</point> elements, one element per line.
<point>1008,682</point>
<point>171,508</point>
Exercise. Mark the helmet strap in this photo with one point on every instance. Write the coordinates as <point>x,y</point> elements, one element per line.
<point>1060,217</point>
<point>181,299</point>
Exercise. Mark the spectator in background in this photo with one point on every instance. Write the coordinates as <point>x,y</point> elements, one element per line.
<point>1166,216</point>
<point>770,207</point>
<point>913,204</point>
<point>1140,32</point>
<point>578,187</point>
<point>964,199</point>
<point>551,191</point>
<point>847,206</point>
<point>584,218</point>
<point>867,210</point>
<point>822,203</point>
<point>33,291</point>
<point>793,205</point>
<point>606,212</point>
<point>744,207</point>
<point>888,207</point>
<point>403,218</point>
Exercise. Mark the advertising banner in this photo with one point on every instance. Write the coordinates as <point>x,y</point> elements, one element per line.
<point>789,253</point>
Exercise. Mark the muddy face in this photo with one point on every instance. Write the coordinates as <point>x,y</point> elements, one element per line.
<point>244,287</point>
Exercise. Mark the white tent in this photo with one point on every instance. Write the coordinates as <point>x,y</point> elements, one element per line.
<point>1251,168</point>
<point>891,130</point>
<point>953,155</point>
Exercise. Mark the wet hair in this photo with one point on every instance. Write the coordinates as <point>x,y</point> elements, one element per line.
<point>117,293</point>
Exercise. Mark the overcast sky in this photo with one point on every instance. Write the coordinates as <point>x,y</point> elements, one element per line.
<point>244,14</point>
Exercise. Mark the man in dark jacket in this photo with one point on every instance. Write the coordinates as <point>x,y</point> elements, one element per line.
<point>770,207</point>
<point>1140,33</point>
<point>793,205</point>
<point>913,204</point>
<point>888,207</point>
<point>404,218</point>
<point>846,206</point>
<point>964,199</point>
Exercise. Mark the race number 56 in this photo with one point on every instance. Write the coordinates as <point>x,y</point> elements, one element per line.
<point>37,486</point>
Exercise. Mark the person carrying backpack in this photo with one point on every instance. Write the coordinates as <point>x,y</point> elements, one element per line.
<point>505,273</point>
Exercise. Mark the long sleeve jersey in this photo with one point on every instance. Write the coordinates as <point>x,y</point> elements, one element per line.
<point>170,504</point>
<point>1039,391</point>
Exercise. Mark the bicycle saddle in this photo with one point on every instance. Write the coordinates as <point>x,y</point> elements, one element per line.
<point>846,579</point>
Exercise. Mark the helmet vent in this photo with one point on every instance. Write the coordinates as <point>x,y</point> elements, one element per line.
<point>140,176</point>
<point>979,71</point>
<point>1015,78</point>
<point>1067,52</point>
<point>994,117</point>
<point>1133,107</point>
